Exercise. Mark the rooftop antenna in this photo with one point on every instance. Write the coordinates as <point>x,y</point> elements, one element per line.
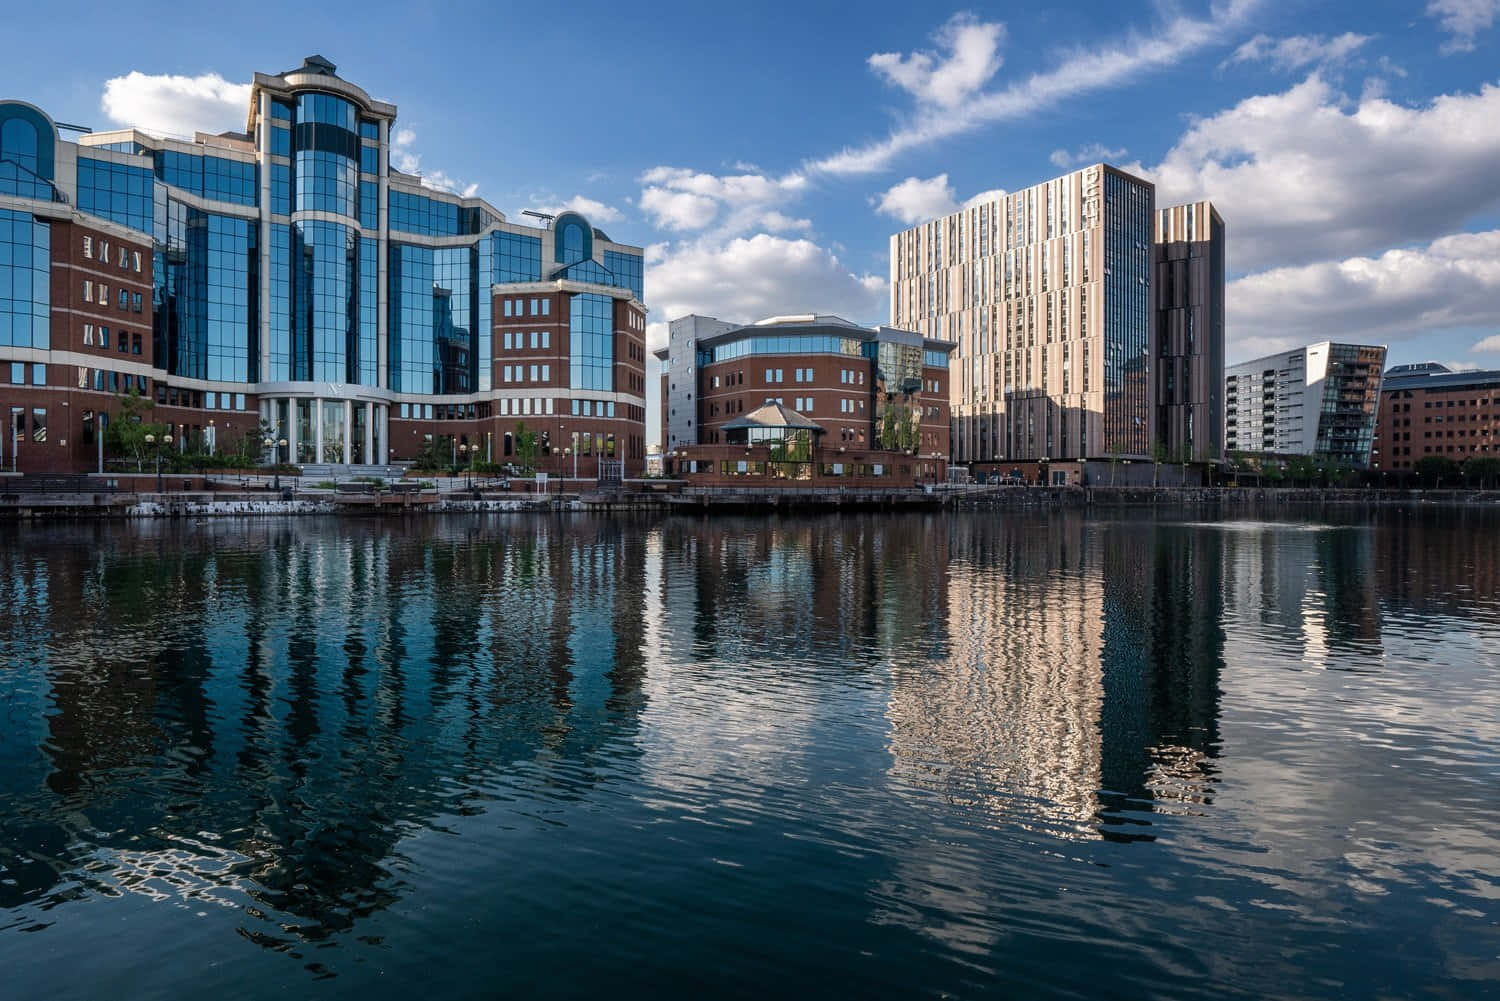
<point>538,215</point>
<point>75,128</point>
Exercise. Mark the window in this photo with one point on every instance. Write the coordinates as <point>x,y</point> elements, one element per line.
<point>535,308</point>
<point>535,339</point>
<point>546,338</point>
<point>124,299</point>
<point>135,344</point>
<point>104,337</point>
<point>507,340</point>
<point>546,307</point>
<point>104,251</point>
<point>135,302</point>
<point>507,373</point>
<point>124,342</point>
<point>135,261</point>
<point>88,334</point>
<point>38,374</point>
<point>507,307</point>
<point>533,373</point>
<point>39,425</point>
<point>124,257</point>
<point>88,291</point>
<point>103,299</point>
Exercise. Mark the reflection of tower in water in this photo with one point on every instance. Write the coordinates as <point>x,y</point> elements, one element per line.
<point>1007,722</point>
<point>1163,655</point>
<point>1081,691</point>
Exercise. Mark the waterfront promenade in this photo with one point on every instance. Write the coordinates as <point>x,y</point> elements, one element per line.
<point>266,495</point>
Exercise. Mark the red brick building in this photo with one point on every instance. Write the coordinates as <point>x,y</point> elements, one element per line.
<point>879,393</point>
<point>1427,410</point>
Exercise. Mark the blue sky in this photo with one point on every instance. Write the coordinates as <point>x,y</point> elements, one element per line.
<point>764,153</point>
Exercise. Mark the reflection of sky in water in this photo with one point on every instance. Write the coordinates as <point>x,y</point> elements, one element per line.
<point>884,756</point>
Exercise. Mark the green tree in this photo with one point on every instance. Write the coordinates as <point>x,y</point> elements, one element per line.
<point>525,445</point>
<point>1483,470</point>
<point>1185,458</point>
<point>127,431</point>
<point>1434,470</point>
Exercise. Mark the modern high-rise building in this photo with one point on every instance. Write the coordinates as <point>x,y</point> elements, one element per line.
<point>1318,400</point>
<point>1045,294</point>
<point>288,280</point>
<point>1188,254</point>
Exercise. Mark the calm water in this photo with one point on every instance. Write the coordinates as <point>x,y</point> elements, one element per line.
<point>894,756</point>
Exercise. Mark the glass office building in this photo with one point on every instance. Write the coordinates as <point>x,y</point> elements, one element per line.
<point>296,276</point>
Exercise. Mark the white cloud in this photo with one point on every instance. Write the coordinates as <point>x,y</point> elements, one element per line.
<point>1092,153</point>
<point>1080,71</point>
<point>1298,50</point>
<point>1452,283</point>
<point>684,200</point>
<point>679,210</point>
<point>749,278</point>
<point>1490,343</point>
<point>404,159</point>
<point>176,105</point>
<point>1463,20</point>
<point>1306,175</point>
<point>594,211</point>
<point>777,222</point>
<point>991,195</point>
<point>972,57</point>
<point>915,200</point>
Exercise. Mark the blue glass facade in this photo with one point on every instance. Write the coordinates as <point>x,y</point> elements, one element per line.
<point>27,141</point>
<point>424,216</point>
<point>207,294</point>
<point>325,182</point>
<point>17,180</point>
<point>367,369</point>
<point>122,193</point>
<point>25,281</point>
<point>212,177</point>
<point>573,238</point>
<point>280,280</point>
<point>629,271</point>
<point>518,258</point>
<point>782,344</point>
<point>1128,209</point>
<point>591,354</point>
<point>434,300</point>
<point>325,284</point>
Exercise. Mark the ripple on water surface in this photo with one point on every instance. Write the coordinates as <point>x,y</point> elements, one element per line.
<point>875,755</point>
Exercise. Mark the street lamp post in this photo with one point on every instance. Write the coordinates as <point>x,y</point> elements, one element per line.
<point>166,440</point>
<point>466,450</point>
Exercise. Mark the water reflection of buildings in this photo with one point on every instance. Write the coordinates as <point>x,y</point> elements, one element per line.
<point>261,715</point>
<point>1081,691</point>
<point>1308,589</point>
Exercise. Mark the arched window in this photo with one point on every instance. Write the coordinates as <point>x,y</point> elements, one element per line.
<point>573,238</point>
<point>18,143</point>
